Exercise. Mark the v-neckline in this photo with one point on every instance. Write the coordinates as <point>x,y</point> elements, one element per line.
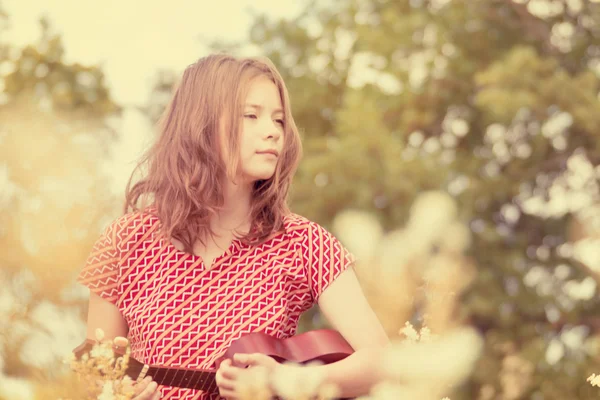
<point>233,246</point>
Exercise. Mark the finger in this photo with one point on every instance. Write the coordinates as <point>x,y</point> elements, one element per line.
<point>226,384</point>
<point>225,363</point>
<point>120,341</point>
<point>242,360</point>
<point>138,387</point>
<point>157,395</point>
<point>228,394</point>
<point>223,382</point>
<point>250,360</point>
<point>227,370</point>
<point>148,392</point>
<point>143,384</point>
<point>230,371</point>
<point>240,357</point>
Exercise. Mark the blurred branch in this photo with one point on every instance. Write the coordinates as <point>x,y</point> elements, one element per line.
<point>534,26</point>
<point>485,323</point>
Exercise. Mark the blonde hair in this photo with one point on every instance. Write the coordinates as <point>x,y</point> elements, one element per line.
<point>186,167</point>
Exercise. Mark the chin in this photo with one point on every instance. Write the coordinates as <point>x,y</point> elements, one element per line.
<point>265,177</point>
<point>262,175</point>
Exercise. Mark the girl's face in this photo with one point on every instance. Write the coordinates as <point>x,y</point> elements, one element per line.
<point>261,139</point>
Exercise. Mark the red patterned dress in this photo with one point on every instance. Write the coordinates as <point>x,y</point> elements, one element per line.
<point>182,314</point>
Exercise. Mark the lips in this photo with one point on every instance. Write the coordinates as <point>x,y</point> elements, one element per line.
<point>274,152</point>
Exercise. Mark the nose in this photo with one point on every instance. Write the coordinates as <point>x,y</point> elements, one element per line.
<point>273,130</point>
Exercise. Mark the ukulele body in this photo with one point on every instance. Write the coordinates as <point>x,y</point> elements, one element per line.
<point>326,346</point>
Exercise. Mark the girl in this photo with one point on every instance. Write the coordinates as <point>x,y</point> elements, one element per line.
<point>207,250</point>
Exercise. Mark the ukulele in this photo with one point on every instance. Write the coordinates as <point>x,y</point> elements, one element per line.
<point>324,345</point>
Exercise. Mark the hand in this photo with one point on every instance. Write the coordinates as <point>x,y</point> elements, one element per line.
<point>147,389</point>
<point>255,360</point>
<point>236,381</point>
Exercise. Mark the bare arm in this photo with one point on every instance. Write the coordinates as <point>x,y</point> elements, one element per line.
<point>103,315</point>
<point>346,308</point>
<point>106,316</point>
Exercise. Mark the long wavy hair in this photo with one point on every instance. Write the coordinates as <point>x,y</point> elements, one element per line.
<point>184,172</point>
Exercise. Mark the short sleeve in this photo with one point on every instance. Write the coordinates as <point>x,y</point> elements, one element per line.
<point>325,258</point>
<point>100,272</point>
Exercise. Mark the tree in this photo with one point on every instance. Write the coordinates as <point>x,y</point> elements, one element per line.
<point>495,102</point>
<point>52,208</point>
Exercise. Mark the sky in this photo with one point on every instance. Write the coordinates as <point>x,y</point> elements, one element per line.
<point>131,42</point>
<point>132,39</point>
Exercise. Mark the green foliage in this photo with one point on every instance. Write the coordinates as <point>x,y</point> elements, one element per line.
<point>47,105</point>
<point>397,97</point>
<point>40,70</point>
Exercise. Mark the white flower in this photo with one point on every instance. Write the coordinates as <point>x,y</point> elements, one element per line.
<point>359,232</point>
<point>16,388</point>
<point>430,215</point>
<point>8,303</point>
<point>61,331</point>
<point>8,189</point>
<point>448,358</point>
<point>586,252</point>
<point>457,238</point>
<point>102,352</point>
<point>107,392</point>
<point>555,351</point>
<point>594,380</point>
<point>410,332</point>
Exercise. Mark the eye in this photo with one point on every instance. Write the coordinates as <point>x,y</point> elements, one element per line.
<point>252,116</point>
<point>280,122</point>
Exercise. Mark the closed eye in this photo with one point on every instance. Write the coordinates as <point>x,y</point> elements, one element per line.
<point>279,121</point>
<point>253,116</point>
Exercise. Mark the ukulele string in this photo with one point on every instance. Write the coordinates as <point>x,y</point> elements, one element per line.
<point>202,380</point>
<point>196,379</point>
<point>184,378</point>
<point>173,379</point>
<point>212,383</point>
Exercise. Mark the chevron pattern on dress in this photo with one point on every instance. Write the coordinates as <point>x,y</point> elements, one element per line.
<point>182,314</point>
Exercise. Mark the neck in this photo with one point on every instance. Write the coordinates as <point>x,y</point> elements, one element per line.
<point>235,213</point>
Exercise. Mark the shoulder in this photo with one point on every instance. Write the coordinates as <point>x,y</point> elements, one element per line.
<point>131,224</point>
<point>294,221</point>
<point>296,224</point>
<point>299,226</point>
